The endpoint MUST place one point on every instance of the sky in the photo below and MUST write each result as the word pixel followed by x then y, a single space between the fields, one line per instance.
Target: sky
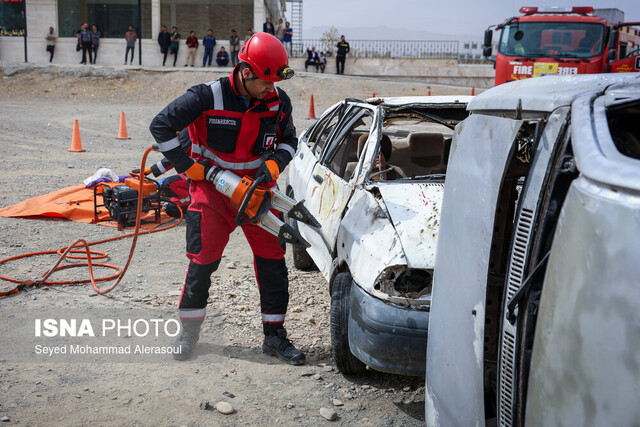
pixel 454 17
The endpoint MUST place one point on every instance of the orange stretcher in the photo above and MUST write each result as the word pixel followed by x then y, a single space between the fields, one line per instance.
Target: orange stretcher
pixel 74 203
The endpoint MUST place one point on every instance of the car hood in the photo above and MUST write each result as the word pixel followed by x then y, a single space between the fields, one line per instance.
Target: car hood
pixel 414 211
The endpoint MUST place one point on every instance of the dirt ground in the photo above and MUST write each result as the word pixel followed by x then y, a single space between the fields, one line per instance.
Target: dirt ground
pixel 39 106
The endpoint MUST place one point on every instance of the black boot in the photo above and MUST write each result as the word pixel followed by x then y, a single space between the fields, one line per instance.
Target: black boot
pixel 186 342
pixel 277 344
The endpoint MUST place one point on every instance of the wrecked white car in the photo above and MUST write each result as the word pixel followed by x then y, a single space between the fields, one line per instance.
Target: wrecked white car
pixel 372 172
pixel 535 318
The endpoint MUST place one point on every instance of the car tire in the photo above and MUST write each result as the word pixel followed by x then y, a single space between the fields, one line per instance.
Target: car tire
pixel 345 361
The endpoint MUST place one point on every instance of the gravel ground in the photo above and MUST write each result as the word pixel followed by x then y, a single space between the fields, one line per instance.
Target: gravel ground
pixel 39 106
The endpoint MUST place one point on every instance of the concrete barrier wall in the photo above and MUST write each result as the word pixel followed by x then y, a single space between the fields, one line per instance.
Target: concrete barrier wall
pixel 111 52
pixel 437 71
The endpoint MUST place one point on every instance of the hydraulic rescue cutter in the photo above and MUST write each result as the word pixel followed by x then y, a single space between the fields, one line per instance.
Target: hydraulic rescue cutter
pixel 253 201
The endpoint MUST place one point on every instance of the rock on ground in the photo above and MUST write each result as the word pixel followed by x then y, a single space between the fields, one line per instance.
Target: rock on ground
pixel 328 414
pixel 225 408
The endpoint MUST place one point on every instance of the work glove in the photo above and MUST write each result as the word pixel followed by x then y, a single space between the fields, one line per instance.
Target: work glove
pixel 268 171
pixel 196 172
pixel 200 172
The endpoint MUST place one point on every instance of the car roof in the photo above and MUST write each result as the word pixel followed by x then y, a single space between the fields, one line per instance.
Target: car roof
pixel 546 93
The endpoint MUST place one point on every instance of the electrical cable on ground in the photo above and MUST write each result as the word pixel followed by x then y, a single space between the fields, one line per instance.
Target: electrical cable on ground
pixel 89 255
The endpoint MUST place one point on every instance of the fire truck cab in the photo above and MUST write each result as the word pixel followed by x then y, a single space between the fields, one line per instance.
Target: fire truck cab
pixel 563 41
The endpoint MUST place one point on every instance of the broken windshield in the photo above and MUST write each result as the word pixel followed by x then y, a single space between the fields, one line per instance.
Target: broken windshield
pixel 552 39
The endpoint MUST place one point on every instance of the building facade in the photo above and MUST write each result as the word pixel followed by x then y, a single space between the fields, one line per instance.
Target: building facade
pixel 113 17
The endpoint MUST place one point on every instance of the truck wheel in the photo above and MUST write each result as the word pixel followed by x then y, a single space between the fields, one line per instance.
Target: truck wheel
pixel 301 258
pixel 346 362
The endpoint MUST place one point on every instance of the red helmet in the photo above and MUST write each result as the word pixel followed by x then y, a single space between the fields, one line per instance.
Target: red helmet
pixel 267 56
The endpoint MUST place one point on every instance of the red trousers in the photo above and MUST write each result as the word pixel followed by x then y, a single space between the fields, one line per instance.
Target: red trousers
pixel 210 220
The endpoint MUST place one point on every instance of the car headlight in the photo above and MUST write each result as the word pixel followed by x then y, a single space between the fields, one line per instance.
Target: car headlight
pixel 404 286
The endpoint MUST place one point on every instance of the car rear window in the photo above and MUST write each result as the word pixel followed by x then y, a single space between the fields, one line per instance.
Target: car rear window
pixel 623 121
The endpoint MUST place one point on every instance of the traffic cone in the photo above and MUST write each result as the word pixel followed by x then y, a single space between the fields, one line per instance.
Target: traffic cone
pixel 473 90
pixel 312 109
pixel 76 143
pixel 122 134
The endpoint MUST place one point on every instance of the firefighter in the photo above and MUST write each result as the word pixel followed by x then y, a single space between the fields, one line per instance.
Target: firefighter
pixel 241 123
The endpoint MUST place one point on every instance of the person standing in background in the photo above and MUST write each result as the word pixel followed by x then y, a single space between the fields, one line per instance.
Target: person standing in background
pixel 209 42
pixel 268 27
pixel 192 45
pixel 175 44
pixel 343 49
pixel 95 41
pixel 280 30
pixel 130 37
pixel 164 40
pixel 288 37
pixel 248 36
pixel 85 41
pixel 51 42
pixel 234 47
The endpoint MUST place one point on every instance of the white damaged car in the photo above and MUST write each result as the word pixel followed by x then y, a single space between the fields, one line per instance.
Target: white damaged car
pixel 372 173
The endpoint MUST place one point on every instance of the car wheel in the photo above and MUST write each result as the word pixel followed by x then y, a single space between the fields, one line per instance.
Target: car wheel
pixel 345 361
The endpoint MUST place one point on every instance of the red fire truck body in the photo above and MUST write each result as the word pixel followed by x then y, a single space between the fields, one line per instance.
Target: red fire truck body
pixel 546 41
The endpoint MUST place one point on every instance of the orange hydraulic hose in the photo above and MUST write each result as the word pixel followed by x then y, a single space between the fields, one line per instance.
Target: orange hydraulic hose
pixel 65 252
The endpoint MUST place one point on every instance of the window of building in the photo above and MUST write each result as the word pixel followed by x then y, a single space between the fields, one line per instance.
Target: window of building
pixel 199 15
pixel 112 18
pixel 12 17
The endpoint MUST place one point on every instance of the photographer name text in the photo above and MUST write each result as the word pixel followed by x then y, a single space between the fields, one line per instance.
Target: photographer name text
pixel 110 350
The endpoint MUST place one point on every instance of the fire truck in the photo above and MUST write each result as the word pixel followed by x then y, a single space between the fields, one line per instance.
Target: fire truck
pixel 564 41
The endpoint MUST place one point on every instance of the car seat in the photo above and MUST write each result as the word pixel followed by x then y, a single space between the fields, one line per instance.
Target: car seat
pixel 426 150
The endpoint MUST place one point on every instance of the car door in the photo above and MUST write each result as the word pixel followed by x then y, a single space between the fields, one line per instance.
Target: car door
pixel 309 149
pixel 331 183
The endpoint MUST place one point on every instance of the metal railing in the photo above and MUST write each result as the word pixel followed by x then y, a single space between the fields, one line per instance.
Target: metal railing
pixel 432 49
pixel 429 49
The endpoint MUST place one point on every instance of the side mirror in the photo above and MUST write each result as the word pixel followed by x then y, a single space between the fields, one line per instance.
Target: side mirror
pixel 486 51
pixel 488 36
pixel 613 45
